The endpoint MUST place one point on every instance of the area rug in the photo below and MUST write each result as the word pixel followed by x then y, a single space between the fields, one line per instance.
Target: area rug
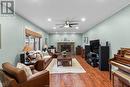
pixel 1 84
pixel 75 68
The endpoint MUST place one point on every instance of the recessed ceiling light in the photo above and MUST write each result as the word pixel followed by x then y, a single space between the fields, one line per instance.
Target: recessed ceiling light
pixel 54 27
pixel 49 19
pixel 83 19
pixel 76 27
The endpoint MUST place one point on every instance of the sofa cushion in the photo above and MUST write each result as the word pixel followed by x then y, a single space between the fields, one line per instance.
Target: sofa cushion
pixel 26 69
pixel 18 74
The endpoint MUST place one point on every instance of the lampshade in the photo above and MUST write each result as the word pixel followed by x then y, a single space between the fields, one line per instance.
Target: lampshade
pixel 45 46
pixel 27 48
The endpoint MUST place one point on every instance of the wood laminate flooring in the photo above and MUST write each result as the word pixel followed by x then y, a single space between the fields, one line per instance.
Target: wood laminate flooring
pixel 92 78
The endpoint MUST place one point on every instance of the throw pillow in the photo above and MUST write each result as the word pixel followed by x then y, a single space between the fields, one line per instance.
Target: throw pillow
pixel 53 51
pixel 39 56
pixel 25 68
pixel 32 54
pixel 47 57
pixel 45 53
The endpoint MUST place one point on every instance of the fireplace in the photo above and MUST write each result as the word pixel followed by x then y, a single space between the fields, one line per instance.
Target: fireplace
pixel 65 46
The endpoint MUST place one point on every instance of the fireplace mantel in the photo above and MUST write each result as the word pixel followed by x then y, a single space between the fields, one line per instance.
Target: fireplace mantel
pixel 65 42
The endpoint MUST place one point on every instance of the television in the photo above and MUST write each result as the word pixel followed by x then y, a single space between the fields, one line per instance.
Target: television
pixel 94 45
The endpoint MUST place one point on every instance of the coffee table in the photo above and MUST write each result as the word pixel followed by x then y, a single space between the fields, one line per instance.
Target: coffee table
pixel 64 61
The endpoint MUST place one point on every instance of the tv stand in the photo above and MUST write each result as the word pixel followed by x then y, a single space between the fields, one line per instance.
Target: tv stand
pixel 100 58
pixel 92 59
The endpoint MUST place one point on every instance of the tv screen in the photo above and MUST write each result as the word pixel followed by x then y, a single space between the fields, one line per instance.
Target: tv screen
pixel 94 44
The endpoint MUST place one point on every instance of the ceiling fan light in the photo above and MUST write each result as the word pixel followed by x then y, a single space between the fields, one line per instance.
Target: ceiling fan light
pixel 66 26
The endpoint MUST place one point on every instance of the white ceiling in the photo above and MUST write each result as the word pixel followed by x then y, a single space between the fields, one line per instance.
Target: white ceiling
pixel 95 11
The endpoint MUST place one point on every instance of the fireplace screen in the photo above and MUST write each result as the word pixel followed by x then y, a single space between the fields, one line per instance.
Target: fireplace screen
pixel 66 48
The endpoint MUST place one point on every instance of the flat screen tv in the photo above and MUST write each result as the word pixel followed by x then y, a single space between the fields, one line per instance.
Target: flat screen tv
pixel 94 44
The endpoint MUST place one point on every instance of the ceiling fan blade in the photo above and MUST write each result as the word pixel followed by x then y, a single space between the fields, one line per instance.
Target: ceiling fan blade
pixel 74 21
pixel 60 24
pixel 70 26
pixel 74 24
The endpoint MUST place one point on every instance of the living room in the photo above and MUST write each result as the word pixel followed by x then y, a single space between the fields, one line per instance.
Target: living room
pixel 64 43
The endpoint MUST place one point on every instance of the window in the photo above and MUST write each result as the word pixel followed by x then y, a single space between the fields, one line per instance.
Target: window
pixel 33 39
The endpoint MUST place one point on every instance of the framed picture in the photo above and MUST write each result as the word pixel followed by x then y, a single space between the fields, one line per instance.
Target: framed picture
pixel 46 41
pixel 86 40
pixel 65 39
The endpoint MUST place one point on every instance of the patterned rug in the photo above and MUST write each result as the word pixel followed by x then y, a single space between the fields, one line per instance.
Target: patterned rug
pixel 75 68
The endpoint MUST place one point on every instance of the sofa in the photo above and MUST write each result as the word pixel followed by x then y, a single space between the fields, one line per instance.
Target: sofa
pixel 41 59
pixel 14 77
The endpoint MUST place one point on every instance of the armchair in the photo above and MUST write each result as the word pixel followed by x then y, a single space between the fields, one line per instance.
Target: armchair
pixel 14 77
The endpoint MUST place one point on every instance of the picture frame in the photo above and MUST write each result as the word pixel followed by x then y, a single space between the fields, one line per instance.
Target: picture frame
pixel 65 39
pixel 46 41
pixel 86 40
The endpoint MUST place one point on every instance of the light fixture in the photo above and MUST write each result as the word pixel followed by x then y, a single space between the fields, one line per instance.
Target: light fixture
pixel 27 48
pixel 49 19
pixel 83 19
pixel 66 26
pixel 54 27
pixel 45 46
pixel 76 27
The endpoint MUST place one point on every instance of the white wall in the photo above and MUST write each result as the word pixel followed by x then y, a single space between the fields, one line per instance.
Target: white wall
pixel 13 37
pixel 115 29
pixel 59 37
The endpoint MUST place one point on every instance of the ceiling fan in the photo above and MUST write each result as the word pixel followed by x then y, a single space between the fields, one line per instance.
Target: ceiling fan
pixel 68 24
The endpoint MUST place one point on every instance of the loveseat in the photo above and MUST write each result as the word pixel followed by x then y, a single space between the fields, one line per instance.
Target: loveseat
pixel 43 60
pixel 42 64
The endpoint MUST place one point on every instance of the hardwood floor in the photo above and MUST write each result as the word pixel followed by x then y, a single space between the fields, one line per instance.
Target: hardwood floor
pixel 92 78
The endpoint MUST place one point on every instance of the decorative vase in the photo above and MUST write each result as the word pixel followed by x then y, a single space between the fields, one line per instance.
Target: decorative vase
pixel 64 53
